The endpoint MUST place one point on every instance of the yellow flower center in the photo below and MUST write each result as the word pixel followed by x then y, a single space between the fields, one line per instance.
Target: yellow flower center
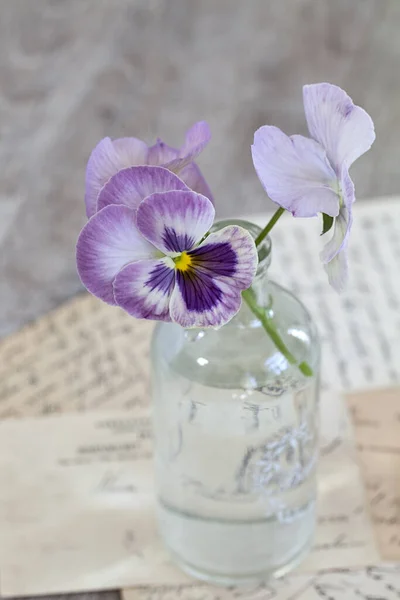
pixel 183 262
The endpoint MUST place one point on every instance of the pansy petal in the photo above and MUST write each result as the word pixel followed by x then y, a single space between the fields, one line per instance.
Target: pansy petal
pixel 131 151
pixel 212 302
pixel 295 172
pixel 229 252
pixel 337 270
pixel 108 242
pixel 130 186
pixel 334 254
pixel 175 221
pixel 197 138
pixel 108 158
pixel 341 230
pixel 193 178
pixel 160 154
pixel 144 288
pixel 343 221
pixel 345 130
pixel 208 291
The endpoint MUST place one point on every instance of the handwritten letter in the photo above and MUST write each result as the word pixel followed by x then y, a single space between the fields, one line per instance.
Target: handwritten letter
pixel 84 356
pixel 77 504
pixel 376 416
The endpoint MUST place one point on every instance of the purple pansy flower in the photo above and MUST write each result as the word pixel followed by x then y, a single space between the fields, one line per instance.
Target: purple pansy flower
pixel 145 250
pixel 110 156
pixel 309 176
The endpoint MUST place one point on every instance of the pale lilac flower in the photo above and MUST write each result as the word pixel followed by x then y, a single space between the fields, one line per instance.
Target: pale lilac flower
pixel 145 250
pixel 110 156
pixel 310 176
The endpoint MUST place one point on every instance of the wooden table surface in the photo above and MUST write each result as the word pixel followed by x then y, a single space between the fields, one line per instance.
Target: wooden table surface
pixel 73 72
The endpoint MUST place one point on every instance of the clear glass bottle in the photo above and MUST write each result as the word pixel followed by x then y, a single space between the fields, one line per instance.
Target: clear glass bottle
pixel 236 430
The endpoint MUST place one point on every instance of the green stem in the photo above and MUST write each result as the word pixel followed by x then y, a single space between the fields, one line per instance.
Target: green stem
pixel 263 234
pixel 269 326
pixel 250 298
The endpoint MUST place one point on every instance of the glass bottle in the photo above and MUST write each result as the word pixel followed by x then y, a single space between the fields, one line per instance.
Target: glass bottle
pixel 235 435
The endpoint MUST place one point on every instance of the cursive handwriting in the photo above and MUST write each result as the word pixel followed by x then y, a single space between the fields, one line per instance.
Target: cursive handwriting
pixel 115 482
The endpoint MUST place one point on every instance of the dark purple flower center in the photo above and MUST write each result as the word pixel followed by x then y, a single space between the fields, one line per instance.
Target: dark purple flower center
pixel 219 259
pixel 161 278
pixel 199 292
pixel 175 242
pixel 197 283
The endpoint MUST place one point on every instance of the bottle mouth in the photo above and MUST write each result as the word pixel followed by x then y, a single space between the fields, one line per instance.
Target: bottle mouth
pixel 264 249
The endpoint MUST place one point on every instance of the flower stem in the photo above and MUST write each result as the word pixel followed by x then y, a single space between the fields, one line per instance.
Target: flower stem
pixel 269 326
pixel 263 234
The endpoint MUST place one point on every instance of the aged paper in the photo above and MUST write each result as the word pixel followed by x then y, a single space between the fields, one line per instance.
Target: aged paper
pixel 360 328
pixel 77 504
pixel 344 535
pixel 84 356
pixel 376 416
pixel 369 583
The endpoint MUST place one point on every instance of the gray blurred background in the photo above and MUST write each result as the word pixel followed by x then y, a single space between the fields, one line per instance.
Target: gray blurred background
pixel 73 71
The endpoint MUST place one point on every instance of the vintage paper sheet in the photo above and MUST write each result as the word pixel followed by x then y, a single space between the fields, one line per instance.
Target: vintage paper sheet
pixel 376 416
pixel 84 356
pixel 344 535
pixel 376 421
pixel 77 504
pixel 360 328
pixel 370 583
